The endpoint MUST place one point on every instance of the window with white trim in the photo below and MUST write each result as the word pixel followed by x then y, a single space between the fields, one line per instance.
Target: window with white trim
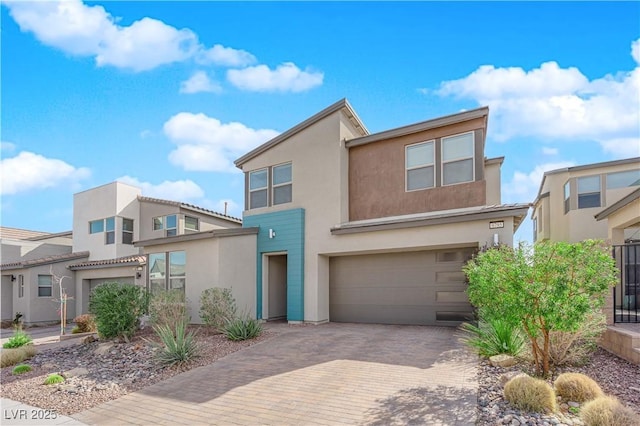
pixel 258 188
pixel 281 183
pixel 45 285
pixel 167 271
pixel 158 223
pixel 171 225
pixel 588 192
pixel 419 166
pixel 110 230
pixel 127 231
pixel 458 159
pixel 191 223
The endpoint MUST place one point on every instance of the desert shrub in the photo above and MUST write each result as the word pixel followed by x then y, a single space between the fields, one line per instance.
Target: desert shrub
pixel 574 348
pixel 85 323
pixel 577 387
pixel 217 307
pixel 117 307
pixel 242 328
pixel 19 338
pixel 607 411
pixel 16 355
pixel 53 379
pixel 492 337
pixel 529 394
pixel 21 369
pixel 177 345
pixel 168 307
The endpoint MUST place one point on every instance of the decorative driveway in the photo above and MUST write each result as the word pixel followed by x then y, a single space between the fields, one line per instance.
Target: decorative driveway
pixel 331 374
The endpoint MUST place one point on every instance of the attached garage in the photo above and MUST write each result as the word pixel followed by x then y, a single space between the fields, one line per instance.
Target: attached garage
pixel 421 287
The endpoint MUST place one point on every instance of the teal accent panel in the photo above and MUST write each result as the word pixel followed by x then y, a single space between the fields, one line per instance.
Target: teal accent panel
pixel 288 226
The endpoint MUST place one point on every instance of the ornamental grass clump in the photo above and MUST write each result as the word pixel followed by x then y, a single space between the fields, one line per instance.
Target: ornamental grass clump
pixel 607 411
pixel 217 307
pixel 529 394
pixel 21 369
pixel 85 323
pixel 492 337
pixel 177 345
pixel 577 387
pixel 19 338
pixel 53 379
pixel 16 355
pixel 242 328
pixel 168 307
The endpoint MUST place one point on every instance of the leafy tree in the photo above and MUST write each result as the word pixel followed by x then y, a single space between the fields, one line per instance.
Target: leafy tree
pixel 552 286
pixel 117 308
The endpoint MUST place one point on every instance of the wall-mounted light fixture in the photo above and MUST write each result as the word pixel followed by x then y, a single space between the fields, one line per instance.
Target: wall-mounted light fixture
pixel 496 239
pixel 139 272
pixel 13 277
pixel 272 233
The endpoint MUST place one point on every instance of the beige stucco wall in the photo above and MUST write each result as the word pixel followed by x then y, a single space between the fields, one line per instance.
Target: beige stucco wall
pixel 17 250
pixel 113 199
pixel 319 169
pixel 228 262
pixel 493 184
pixel 578 224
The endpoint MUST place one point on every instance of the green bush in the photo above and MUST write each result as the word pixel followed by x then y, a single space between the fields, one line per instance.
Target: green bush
pixel 19 338
pixel 85 323
pixel 53 379
pixel 168 307
pixel 529 394
pixel 492 337
pixel 21 369
pixel 217 307
pixel 178 345
pixel 607 411
pixel 577 387
pixel 16 355
pixel 242 328
pixel 117 307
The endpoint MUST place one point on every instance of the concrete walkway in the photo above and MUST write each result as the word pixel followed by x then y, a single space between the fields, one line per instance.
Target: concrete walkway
pixel 17 413
pixel 332 374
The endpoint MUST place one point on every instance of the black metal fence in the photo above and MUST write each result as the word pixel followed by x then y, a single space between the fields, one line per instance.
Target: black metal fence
pixel 626 294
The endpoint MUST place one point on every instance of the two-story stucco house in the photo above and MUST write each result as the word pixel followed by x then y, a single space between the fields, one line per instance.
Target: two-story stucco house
pixel 363 227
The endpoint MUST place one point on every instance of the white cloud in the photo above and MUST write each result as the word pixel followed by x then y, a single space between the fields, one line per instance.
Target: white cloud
pixel 287 77
pixel 547 150
pixel 225 56
pixel 200 82
pixel 523 186
pixel 7 146
pixel 179 190
pixel 557 103
pixel 635 51
pixel 28 171
pixel 146 133
pixel 206 144
pixel 78 29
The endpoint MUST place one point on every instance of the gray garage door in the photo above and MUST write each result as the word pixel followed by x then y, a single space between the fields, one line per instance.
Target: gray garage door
pixel 425 287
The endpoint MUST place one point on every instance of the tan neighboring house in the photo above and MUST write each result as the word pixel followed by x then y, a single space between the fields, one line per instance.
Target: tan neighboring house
pixel 29 261
pixel 373 228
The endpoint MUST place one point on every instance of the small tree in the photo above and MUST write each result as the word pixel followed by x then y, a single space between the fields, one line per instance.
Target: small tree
pixel 117 308
pixel 552 286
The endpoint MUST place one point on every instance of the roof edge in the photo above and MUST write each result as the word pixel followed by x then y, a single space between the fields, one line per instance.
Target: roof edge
pixel 215 233
pixel 628 199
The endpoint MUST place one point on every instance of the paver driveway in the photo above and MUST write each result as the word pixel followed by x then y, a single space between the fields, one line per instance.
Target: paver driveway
pixel 316 375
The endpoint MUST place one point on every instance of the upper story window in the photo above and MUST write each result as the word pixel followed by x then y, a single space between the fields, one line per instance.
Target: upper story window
pixel 623 179
pixel 588 192
pixel 457 159
pixel 567 197
pixel 419 165
pixel 281 183
pixel 191 223
pixel 127 231
pixel 96 226
pixel 169 223
pixel 535 229
pixel 258 188
pixel 110 230
pixel 45 285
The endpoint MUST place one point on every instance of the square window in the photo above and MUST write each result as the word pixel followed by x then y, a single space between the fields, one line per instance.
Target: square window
pixel 96 226
pixel 282 194
pixel 588 192
pixel 45 285
pixel 158 223
pixel 191 223
pixel 258 199
pixel 420 178
pixel 258 179
pixel 282 174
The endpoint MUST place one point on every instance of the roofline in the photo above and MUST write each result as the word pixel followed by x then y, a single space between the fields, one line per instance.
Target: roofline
pixel 191 207
pixel 538 198
pixel 495 160
pixel 44 261
pixel 215 233
pixel 46 237
pixel 519 210
pixel 421 126
pixel 628 199
pixel 586 167
pixel 337 106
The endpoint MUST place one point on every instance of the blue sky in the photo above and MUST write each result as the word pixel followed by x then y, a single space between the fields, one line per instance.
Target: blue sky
pixel 165 95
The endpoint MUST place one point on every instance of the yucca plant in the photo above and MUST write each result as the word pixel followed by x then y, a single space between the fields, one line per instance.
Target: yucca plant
pixel 242 328
pixel 492 337
pixel 178 345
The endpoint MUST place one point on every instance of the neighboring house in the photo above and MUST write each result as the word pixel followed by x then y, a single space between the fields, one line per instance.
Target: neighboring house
pixel 569 199
pixel 597 201
pixel 28 260
pixel 363 227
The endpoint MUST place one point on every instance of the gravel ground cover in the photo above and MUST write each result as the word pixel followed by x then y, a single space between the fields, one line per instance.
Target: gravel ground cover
pixel 615 376
pixel 101 371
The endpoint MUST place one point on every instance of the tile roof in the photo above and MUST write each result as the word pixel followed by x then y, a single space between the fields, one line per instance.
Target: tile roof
pixel 138 259
pixel 20 234
pixel 45 260
pixel 190 207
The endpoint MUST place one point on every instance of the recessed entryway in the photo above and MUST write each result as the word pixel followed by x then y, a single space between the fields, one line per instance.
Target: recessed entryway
pixel 275 287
